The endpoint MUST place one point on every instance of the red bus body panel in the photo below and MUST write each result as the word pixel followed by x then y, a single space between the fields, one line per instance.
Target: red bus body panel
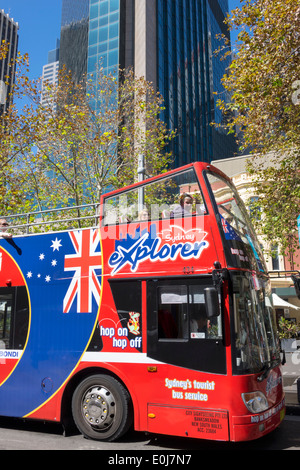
pixel 166 398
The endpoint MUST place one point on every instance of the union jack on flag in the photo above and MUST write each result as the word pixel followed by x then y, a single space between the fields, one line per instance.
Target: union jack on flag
pixel 84 262
pixel 229 231
pixel 224 224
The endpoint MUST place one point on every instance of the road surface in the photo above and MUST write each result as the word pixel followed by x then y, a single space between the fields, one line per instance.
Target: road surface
pixel 32 435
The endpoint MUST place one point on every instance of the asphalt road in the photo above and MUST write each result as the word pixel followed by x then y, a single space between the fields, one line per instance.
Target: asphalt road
pixel 16 434
pixel 32 435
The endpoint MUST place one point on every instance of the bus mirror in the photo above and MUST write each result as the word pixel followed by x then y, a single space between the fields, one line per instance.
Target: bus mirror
pixel 296 281
pixel 211 302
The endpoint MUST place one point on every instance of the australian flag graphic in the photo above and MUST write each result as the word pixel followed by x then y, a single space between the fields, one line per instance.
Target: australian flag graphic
pixel 73 256
pixel 62 273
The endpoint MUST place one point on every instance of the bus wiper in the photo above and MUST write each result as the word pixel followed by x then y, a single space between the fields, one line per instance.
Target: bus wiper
pixel 268 366
pixel 266 370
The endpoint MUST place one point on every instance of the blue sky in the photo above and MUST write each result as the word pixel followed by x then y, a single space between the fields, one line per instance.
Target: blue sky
pixel 39 27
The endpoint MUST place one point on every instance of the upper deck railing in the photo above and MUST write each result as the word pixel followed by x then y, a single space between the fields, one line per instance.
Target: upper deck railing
pixel 54 220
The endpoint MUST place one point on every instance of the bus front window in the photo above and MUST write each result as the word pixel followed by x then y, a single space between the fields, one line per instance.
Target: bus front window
pixel 241 246
pixel 255 344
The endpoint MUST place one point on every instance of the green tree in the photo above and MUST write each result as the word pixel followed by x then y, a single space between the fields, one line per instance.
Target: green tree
pixel 14 137
pixel 263 82
pixel 85 139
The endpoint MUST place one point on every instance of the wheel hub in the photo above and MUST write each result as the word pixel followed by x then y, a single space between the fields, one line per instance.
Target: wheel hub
pixel 98 407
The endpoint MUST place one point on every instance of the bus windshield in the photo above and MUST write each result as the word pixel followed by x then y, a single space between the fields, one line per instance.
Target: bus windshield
pixel 160 199
pixel 255 344
pixel 240 243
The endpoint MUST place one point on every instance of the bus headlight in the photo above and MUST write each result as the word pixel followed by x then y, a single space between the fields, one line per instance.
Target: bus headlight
pixel 255 402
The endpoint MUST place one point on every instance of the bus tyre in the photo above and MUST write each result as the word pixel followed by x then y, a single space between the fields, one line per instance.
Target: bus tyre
pixel 101 408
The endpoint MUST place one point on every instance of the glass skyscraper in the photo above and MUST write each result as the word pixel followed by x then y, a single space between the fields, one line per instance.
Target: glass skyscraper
pixel 111 35
pixel 74 37
pixel 188 74
pixel 104 35
pixel 171 44
pixel 8 34
pixel 50 76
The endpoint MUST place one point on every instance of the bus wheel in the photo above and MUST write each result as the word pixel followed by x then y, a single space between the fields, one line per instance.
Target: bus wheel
pixel 101 408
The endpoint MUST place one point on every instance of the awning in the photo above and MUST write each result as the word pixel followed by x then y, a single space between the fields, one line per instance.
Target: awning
pixel 279 302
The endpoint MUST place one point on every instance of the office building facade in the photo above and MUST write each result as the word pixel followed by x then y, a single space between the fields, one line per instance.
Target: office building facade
pixel 74 37
pixel 9 34
pixel 111 35
pixel 171 44
pixel 50 76
pixel 188 74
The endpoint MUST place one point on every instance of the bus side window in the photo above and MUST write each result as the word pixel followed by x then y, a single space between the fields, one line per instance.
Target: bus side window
pixel 6 301
pixel 14 317
pixel 178 329
pixel 181 313
pixel 172 312
pixel 21 318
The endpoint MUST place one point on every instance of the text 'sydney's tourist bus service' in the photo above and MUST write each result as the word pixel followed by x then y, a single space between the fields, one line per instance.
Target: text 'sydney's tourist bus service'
pixel 160 317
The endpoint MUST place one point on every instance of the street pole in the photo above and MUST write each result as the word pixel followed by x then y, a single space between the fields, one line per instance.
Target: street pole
pixel 141 177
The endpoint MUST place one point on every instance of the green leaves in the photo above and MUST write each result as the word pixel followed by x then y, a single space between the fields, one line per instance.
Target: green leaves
pixel 287 329
pixel 264 66
pixel 71 150
pixel 265 117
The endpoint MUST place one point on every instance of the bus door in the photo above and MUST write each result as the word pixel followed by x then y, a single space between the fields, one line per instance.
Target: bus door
pixel 179 331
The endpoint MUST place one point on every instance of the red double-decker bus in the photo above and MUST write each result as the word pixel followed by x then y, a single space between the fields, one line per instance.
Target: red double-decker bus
pixel 159 316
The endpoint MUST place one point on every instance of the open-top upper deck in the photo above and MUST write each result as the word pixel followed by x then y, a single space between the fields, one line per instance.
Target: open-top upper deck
pixel 195 205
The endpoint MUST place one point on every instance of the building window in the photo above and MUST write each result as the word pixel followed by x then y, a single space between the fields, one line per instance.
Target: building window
pixel 275 258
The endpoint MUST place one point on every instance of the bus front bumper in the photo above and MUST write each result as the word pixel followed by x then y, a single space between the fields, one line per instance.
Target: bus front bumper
pixel 250 427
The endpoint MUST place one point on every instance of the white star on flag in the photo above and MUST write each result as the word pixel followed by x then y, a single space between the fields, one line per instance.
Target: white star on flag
pixel 56 244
